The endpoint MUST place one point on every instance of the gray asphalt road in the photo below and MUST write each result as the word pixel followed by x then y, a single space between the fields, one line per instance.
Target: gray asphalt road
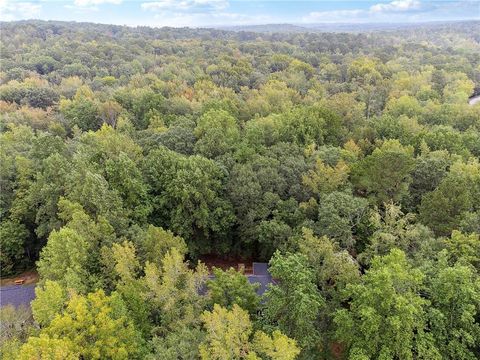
pixel 17 295
pixel 474 100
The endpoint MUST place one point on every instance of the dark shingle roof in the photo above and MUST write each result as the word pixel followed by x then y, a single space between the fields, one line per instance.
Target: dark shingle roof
pixel 260 269
pixel 260 275
pixel 263 280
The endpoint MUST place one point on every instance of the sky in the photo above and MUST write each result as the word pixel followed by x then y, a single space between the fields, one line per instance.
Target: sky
pixel 204 13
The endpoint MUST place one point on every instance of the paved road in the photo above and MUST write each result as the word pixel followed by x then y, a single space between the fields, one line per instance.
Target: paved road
pixel 23 294
pixel 17 295
pixel 474 100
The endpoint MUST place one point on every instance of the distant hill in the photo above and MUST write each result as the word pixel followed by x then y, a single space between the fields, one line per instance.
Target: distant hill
pixel 342 27
pixel 268 28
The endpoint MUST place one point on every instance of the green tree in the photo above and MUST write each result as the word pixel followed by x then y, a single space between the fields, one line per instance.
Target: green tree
pixel 385 174
pixel 82 112
pixel 123 175
pixel 174 290
pixel 326 179
pixel 188 198
pixel 116 158
pixel 179 344
pixel 64 259
pixel 366 74
pixel 443 209
pixel 232 287
pixel 217 133
pixel 41 97
pixel 155 242
pixel 293 303
pixel 97 233
pixel 49 187
pixel 404 105
pixel 13 238
pixel 126 263
pixel 143 103
pixel 394 229
pixel 125 280
pixel 455 297
pixel 43 64
pixel 49 302
pixel 98 327
pixel 305 125
pixel 228 333
pixel 334 268
pixel 385 317
pixel 72 255
pixel 276 347
pixel 430 169
pixel 340 216
pixel 93 192
pixel 48 348
pixel 464 248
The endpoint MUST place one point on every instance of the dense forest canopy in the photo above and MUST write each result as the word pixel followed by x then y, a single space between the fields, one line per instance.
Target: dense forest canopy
pixel 348 161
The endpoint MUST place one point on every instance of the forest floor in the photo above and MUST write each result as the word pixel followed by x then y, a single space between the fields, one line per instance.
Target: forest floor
pixel 29 277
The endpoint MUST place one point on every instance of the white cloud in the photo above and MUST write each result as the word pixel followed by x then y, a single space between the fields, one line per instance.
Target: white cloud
pixel 85 6
pixel 182 19
pixel 10 11
pixel 396 6
pixel 193 13
pixel 92 3
pixel 185 5
pixel 333 16
pixel 396 10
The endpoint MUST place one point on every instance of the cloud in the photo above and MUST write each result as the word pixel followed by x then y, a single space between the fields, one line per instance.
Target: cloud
pixel 185 5
pixel 10 11
pixel 396 10
pixel 396 6
pixel 93 3
pixel 333 16
pixel 183 19
pixel 85 6
pixel 193 13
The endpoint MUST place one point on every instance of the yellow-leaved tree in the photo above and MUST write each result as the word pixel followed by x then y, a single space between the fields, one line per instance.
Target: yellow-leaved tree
pixel 230 336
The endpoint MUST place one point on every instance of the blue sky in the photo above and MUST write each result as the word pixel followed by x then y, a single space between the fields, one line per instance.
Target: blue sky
pixel 196 13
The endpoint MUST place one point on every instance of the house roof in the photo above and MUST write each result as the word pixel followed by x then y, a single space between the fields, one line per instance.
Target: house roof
pixel 260 268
